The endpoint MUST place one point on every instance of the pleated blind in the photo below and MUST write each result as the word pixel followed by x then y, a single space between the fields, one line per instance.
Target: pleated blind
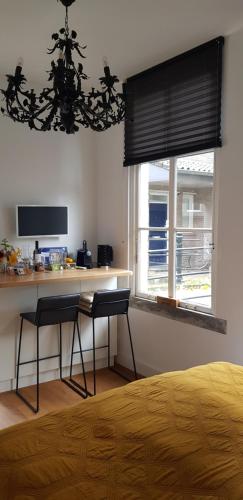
pixel 175 108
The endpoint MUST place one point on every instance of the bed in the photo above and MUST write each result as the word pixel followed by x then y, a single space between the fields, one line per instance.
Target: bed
pixel 175 436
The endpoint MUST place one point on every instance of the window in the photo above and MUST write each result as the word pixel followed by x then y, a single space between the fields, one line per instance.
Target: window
pixel 174 229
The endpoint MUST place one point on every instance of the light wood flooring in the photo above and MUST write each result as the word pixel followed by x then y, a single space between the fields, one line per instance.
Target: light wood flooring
pixel 54 395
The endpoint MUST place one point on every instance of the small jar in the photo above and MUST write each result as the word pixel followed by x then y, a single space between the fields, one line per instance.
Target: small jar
pixel 11 270
pixel 3 264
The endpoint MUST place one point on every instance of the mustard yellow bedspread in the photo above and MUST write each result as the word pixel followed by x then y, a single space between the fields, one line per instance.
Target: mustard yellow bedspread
pixel 176 436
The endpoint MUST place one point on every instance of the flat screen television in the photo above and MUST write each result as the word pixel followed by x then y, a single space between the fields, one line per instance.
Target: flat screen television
pixel 38 220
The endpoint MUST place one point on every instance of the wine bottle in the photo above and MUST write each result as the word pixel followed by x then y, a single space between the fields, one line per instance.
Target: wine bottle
pixel 35 253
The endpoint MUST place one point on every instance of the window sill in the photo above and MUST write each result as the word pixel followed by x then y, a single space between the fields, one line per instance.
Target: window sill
pixel 195 318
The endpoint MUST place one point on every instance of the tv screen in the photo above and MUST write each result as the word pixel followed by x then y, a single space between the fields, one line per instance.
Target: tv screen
pixel 36 220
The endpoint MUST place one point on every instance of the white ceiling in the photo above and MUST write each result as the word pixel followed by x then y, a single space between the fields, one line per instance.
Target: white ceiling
pixel 133 34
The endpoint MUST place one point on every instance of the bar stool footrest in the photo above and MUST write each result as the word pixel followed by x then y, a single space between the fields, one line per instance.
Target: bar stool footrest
pixel 76 387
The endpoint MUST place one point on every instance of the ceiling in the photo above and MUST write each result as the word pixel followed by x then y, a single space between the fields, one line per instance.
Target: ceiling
pixel 133 34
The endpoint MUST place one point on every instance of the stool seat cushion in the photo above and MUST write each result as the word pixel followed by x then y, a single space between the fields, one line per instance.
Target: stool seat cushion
pixel 87 297
pixel 86 300
pixel 29 316
pixel 85 306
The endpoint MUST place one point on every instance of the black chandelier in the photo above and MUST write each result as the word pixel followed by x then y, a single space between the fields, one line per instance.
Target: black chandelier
pixel 64 105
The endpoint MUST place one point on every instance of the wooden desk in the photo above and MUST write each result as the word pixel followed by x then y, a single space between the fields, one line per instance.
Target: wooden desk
pixel 21 293
pixel 68 275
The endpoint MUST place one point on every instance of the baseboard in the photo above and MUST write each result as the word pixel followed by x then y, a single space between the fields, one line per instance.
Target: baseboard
pixel 6 386
pixel 142 368
pixel 47 376
pixel 126 371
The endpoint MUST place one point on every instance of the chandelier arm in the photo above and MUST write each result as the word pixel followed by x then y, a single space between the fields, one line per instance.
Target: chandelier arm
pixel 41 121
pixel 33 126
pixel 107 114
pixel 25 94
pixel 21 106
pixel 10 109
pixel 26 116
pixel 86 116
pixel 97 122
pixel 45 92
pixel 10 113
pixel 49 119
pixel 32 115
pixel 85 112
pixel 42 109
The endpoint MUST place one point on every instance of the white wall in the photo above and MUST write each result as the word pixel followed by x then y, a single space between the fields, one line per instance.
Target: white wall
pixel 111 191
pixel 47 168
pixel 162 344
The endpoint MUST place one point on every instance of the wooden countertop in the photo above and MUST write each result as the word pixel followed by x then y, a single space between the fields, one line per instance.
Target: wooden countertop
pixel 43 278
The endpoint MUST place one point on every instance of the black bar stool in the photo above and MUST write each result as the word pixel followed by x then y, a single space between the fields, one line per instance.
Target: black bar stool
pixel 52 311
pixel 105 303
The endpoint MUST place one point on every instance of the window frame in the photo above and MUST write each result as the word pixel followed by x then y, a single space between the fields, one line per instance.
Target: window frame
pixel 134 233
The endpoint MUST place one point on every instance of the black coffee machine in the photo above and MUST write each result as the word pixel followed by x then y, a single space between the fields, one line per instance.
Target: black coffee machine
pixel 104 255
pixel 84 257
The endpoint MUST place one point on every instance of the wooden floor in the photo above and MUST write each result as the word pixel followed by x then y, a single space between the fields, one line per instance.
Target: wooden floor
pixel 53 396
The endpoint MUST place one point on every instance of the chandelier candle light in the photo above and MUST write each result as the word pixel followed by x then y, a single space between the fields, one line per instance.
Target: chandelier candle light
pixel 64 105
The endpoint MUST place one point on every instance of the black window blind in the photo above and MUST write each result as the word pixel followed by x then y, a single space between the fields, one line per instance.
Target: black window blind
pixel 175 108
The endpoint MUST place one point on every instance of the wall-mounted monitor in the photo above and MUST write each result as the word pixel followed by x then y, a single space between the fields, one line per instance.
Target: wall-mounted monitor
pixel 41 221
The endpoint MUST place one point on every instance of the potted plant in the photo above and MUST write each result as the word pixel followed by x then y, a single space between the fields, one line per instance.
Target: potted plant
pixel 6 250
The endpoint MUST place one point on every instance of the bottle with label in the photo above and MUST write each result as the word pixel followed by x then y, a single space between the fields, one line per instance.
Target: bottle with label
pixel 35 253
